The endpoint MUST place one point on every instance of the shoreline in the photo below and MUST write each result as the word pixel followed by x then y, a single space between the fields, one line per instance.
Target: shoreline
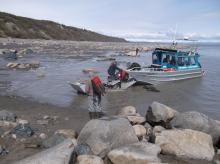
pixel 17 151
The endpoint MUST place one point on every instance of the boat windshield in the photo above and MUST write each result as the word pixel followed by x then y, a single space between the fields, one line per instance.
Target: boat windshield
pixel 165 59
pixel 175 59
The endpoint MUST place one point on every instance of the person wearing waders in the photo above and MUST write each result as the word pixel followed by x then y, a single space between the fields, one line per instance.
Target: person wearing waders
pixel 95 90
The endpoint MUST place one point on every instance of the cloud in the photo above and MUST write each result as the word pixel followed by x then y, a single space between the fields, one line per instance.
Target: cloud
pixel 169 36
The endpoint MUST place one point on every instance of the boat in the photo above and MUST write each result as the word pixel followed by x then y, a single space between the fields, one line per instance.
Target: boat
pixel 118 84
pixel 168 65
pixel 80 87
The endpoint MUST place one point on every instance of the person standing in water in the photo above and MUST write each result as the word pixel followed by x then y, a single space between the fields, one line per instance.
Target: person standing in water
pixel 95 90
pixel 137 51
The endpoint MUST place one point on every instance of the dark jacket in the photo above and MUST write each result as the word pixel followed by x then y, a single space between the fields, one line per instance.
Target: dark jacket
pixel 112 69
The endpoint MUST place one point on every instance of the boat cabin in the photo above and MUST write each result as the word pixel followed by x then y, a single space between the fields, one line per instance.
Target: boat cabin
pixel 178 60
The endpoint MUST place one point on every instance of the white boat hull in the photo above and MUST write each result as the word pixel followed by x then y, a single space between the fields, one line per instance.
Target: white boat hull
pixel 80 87
pixel 155 77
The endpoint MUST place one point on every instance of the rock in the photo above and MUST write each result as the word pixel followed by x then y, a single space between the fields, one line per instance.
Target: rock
pixel 131 53
pixel 107 133
pixel 138 153
pixel 3 151
pixel 46 117
pixel 23 130
pixel 14 136
pixel 7 116
pixel 43 136
pixel 22 66
pixel 149 133
pixel 42 122
pixel 6 133
pixel 1 131
pixel 8 124
pixel 128 111
pixel 68 133
pixel 148 128
pixel 27 65
pixel 23 122
pixel 158 129
pixel 55 118
pixel 83 149
pixel 60 154
pixel 140 130
pixel 12 65
pixel 1 148
pixel 136 119
pixel 25 51
pixel 88 70
pixel 89 159
pixel 160 114
pixel 151 88
pixel 216 162
pixel 53 141
pixel 34 64
pixel 186 143
pixel 11 55
pixel 105 59
pixel 198 121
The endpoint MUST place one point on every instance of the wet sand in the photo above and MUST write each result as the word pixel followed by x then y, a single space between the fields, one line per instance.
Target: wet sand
pixel 33 111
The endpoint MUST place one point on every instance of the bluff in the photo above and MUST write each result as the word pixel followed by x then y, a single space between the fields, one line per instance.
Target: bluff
pixel 26 28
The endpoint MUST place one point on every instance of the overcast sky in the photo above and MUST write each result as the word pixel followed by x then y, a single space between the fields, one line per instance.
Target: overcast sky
pixel 132 19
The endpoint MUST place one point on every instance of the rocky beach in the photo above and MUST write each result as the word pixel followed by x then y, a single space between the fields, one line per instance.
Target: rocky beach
pixel 42 119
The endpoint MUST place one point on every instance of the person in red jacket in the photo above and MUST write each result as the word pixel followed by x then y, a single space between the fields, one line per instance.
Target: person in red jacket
pixel 95 90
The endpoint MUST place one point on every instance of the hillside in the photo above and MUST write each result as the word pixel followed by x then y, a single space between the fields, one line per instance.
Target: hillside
pixel 27 28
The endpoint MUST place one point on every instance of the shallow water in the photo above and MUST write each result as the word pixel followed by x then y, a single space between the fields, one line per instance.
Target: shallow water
pixel 48 84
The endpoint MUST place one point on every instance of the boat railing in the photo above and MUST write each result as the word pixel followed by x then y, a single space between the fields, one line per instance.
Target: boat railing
pixel 146 68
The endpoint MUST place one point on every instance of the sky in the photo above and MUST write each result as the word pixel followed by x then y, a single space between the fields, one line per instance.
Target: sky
pixel 131 19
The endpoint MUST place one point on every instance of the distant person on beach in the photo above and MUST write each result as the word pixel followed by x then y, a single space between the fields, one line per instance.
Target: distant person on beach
pixel 137 51
pixel 95 90
pixel 112 70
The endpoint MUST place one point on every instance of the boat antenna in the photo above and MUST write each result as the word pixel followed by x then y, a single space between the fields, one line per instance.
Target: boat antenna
pixel 174 38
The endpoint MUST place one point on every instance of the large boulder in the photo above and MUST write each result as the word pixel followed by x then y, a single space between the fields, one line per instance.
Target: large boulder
pixel 89 159
pixel 160 114
pixel 53 140
pixel 7 116
pixel 186 143
pixel 107 133
pixel 198 121
pixel 138 153
pixel 60 154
